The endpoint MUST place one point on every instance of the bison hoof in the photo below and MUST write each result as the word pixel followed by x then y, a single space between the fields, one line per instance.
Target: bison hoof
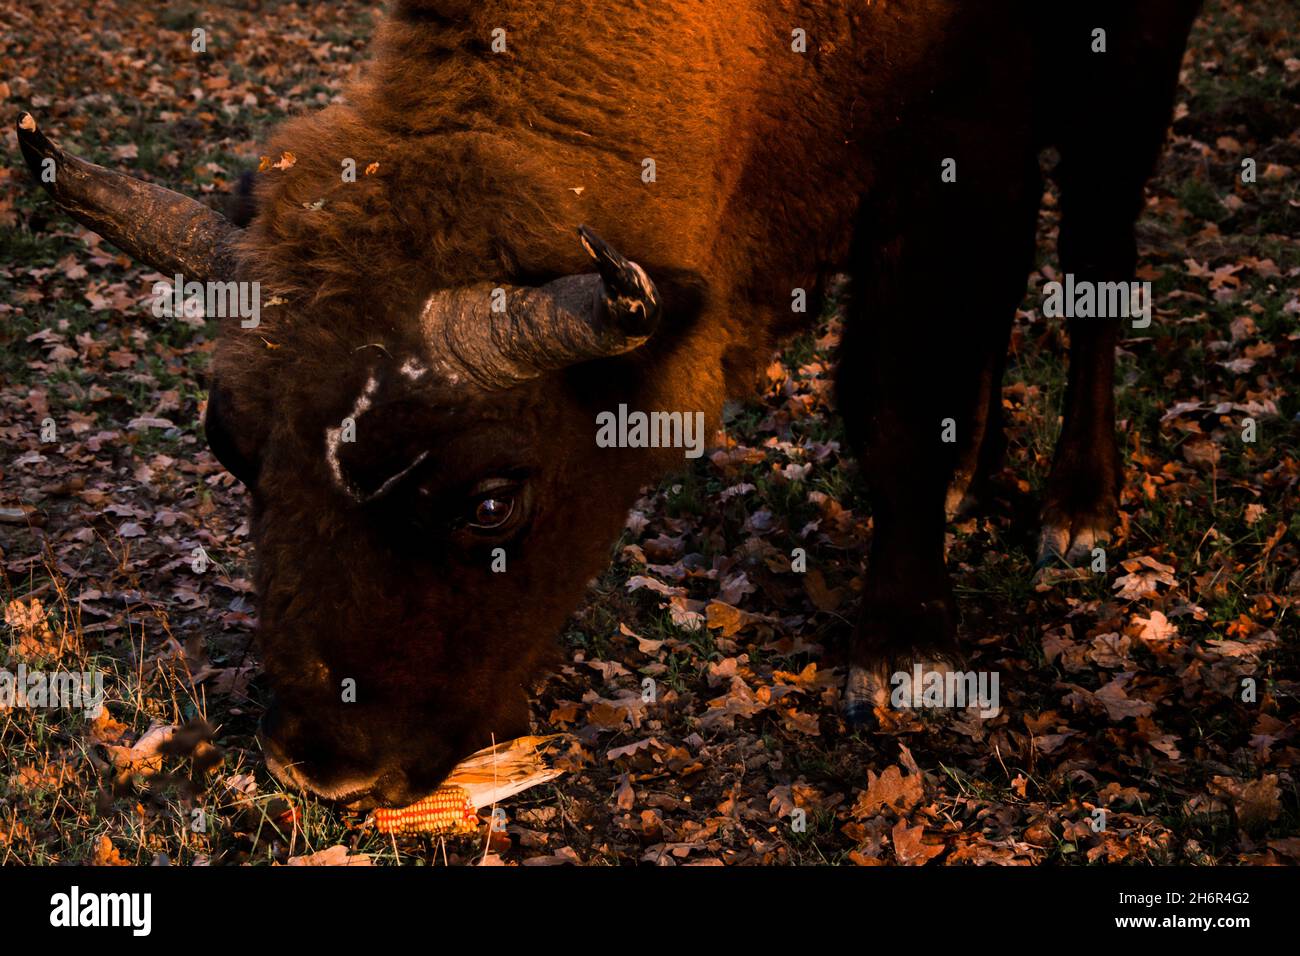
pixel 865 689
pixel 1070 543
pixel 887 686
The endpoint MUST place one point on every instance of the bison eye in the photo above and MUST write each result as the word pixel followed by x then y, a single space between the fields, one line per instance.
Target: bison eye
pixel 495 506
pixel 492 512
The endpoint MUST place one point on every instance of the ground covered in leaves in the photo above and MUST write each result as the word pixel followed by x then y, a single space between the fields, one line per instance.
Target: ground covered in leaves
pixel 1163 691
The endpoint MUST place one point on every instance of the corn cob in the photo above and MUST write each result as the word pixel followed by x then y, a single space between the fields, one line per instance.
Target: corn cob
pixel 480 780
pixel 448 811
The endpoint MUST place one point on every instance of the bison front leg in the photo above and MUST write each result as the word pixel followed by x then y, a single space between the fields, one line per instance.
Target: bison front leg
pixel 907 397
pixel 908 615
pixel 920 374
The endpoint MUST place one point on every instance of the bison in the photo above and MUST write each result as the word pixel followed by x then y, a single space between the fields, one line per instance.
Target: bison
pixel 582 207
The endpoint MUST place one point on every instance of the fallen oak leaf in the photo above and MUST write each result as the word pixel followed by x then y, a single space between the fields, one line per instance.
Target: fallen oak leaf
pixel 891 790
pixel 1256 803
pixel 565 856
pixel 338 855
pixel 1249 649
pixel 614 753
pixel 910 847
pixel 106 854
pixel 608 669
pixel 145 756
pixel 1158 739
pixel 1144 574
pixel 802 722
pixel 730 620
pixel 1118 704
pixel 611 713
pixel 105 730
pixel 1157 627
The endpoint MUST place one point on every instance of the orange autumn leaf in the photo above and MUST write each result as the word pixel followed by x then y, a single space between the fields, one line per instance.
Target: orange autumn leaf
pixel 909 847
pixel 107 855
pixel 105 730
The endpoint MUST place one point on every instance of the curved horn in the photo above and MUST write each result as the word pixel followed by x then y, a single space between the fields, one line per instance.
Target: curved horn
pixel 573 319
pixel 164 229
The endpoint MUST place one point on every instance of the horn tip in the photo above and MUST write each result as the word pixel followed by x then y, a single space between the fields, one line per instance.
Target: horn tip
pixel 590 241
pixel 35 145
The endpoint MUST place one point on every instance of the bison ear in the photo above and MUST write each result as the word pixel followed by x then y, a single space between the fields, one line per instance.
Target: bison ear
pixel 224 438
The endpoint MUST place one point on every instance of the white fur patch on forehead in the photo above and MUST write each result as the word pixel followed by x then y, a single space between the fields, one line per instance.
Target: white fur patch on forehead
pixel 412 369
pixel 334 437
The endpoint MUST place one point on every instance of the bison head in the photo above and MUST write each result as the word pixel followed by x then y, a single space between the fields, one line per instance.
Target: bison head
pixel 427 495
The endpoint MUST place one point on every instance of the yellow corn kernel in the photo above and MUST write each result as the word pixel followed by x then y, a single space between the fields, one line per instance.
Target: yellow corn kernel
pixel 448 810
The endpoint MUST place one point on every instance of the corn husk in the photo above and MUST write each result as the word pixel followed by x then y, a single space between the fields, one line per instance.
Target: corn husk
pixel 480 780
pixel 497 773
